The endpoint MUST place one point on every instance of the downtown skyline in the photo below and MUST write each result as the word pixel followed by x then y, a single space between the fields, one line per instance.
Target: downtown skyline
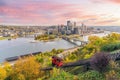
pixel 54 12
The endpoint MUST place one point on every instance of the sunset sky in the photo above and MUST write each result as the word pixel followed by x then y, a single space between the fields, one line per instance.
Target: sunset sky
pixel 54 12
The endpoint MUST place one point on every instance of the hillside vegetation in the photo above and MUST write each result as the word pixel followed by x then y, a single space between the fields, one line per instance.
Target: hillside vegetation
pixel 98 49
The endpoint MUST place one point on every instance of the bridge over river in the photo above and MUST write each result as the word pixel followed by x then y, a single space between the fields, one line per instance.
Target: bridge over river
pixel 75 41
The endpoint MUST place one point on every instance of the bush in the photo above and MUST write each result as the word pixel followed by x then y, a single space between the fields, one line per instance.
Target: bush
pixel 110 47
pixel 3 73
pixel 112 75
pixel 58 74
pixel 27 69
pixel 100 62
pixel 91 75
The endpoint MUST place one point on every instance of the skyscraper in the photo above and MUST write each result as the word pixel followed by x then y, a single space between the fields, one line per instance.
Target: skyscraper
pixel 74 24
pixel 69 25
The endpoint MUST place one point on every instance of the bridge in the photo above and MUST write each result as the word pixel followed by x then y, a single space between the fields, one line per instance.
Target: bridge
pixel 74 40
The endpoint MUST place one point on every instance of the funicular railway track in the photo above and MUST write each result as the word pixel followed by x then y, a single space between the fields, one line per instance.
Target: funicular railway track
pixel 84 62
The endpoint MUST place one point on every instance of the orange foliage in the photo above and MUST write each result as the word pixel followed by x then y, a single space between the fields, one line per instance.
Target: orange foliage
pixel 28 68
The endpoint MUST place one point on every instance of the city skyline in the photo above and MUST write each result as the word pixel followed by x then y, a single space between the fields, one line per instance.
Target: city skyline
pixel 54 12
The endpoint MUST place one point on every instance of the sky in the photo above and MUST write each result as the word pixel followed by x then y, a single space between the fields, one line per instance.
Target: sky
pixel 57 12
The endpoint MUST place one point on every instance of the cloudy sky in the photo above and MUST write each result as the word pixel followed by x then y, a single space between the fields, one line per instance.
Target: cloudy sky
pixel 54 12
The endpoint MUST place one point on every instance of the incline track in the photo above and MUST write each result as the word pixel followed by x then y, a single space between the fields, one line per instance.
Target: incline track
pixel 84 62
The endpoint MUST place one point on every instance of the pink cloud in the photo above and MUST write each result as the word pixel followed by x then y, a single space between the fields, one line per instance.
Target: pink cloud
pixel 44 6
pixel 72 14
pixel 0 20
pixel 37 12
pixel 106 1
pixel 22 15
pixel 49 13
pixel 115 1
pixel 89 16
pixel 107 21
pixel 97 1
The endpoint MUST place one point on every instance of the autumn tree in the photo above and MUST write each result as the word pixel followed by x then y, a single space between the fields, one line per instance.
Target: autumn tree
pixel 112 37
pixel 27 69
pixel 3 73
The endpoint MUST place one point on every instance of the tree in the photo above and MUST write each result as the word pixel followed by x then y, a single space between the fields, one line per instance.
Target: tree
pixel 26 68
pixel 7 67
pixel 100 61
pixel 3 73
pixel 110 46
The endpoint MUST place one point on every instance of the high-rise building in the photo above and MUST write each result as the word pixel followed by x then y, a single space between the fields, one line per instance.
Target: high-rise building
pixel 69 25
pixel 76 30
pixel 83 29
pixel 59 28
pixel 74 24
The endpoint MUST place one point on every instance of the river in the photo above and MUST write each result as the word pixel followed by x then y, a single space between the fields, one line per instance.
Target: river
pixel 109 28
pixel 20 46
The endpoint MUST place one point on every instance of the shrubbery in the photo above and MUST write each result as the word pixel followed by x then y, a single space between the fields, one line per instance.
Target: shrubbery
pixel 25 69
pixel 110 47
pixel 102 69
pixel 3 73
pixel 100 62
pixel 45 37
pixel 91 75
pixel 58 74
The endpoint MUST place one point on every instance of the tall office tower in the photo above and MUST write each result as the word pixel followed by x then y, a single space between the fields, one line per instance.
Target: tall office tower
pixel 74 24
pixel 76 30
pixel 82 26
pixel 59 28
pixel 83 29
pixel 68 23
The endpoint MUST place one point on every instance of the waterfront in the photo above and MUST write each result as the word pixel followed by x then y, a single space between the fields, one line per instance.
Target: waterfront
pixel 20 46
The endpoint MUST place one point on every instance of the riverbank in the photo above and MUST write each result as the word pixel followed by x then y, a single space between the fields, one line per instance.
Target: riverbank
pixel 4 38
pixel 50 40
pixel 105 33
pixel 8 38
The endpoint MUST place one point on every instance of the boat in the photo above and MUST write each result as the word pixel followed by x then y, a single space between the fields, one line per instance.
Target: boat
pixel 9 39
pixel 12 58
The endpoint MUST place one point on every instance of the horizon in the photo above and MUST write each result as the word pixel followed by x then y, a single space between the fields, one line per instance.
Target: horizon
pixel 53 12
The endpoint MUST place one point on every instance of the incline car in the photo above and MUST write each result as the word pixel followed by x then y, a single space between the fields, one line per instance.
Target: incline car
pixel 56 61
